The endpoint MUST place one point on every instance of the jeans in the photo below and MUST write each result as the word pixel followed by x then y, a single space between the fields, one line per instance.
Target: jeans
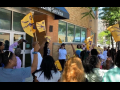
pixel 62 62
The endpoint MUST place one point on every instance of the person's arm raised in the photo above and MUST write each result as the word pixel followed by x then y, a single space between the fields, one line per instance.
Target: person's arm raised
pixel 35 59
pixel 42 45
pixel 73 49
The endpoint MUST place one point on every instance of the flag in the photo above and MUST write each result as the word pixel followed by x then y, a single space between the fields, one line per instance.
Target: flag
pixel 58 65
pixel 28 24
pixel 115 31
pixel 68 56
pixel 100 50
pixel 41 26
pixel 89 42
pixel 49 38
pixel 60 41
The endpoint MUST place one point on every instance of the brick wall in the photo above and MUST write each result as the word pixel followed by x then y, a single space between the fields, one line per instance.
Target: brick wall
pixel 49 20
pixel 75 18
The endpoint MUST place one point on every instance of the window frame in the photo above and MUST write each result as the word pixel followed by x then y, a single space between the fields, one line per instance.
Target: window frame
pixel 66 39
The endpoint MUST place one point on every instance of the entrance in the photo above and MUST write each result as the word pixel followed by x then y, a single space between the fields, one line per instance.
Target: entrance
pixel 9 37
pixel 12 31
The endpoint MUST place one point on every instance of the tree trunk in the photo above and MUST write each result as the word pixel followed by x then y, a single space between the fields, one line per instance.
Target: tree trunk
pixel 112 41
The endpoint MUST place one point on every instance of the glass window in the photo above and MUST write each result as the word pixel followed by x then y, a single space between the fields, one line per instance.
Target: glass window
pixel 62 31
pixel 83 35
pixel 5 19
pixel 17 17
pixel 27 60
pixel 92 33
pixel 29 43
pixel 70 33
pixel 77 34
pixel 5 38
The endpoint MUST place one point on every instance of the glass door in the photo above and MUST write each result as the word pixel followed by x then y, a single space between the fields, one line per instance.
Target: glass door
pixel 16 36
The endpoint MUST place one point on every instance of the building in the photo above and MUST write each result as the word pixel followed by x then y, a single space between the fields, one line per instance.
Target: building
pixel 101 25
pixel 61 22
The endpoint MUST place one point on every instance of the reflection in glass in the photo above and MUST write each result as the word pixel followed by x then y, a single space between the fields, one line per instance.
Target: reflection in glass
pixel 17 37
pixel 77 34
pixel 70 33
pixel 5 38
pixel 29 43
pixel 83 35
pixel 27 60
pixel 62 31
pixel 5 19
pixel 17 17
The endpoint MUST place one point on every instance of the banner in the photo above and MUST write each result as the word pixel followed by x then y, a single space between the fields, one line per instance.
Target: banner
pixel 27 24
pixel 115 31
pixel 100 50
pixel 58 65
pixel 60 41
pixel 49 38
pixel 89 42
pixel 41 26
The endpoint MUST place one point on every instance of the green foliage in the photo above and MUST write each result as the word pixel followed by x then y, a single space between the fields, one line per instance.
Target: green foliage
pixel 105 34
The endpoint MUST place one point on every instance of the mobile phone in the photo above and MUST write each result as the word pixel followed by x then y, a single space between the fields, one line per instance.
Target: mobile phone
pixel 25 41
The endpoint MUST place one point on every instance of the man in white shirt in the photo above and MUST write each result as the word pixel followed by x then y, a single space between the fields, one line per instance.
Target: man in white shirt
pixel 39 57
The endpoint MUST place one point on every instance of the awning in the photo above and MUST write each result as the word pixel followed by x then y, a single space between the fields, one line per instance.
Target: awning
pixel 60 12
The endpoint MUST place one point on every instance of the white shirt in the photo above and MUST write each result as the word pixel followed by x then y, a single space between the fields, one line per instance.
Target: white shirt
pixel 62 54
pixel 55 76
pixel 97 76
pixel 105 55
pixel 39 58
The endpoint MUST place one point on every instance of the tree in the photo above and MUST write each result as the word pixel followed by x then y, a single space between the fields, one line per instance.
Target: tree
pixel 111 15
pixel 105 34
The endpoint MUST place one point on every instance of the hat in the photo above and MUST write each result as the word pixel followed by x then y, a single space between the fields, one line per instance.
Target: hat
pixel 62 44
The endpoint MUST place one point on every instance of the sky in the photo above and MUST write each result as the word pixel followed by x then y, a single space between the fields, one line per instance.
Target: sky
pixel 100 10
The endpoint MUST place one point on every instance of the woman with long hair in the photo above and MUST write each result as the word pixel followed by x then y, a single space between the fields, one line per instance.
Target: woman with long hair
pixel 46 49
pixel 47 71
pixel 92 69
pixel 73 71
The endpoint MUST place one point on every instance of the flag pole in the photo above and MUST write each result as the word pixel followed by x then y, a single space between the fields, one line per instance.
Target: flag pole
pixel 36 36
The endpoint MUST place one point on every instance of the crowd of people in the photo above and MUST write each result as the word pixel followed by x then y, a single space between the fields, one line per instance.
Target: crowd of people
pixel 86 66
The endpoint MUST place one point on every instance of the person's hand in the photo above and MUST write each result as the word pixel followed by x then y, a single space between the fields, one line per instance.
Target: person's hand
pixel 20 41
pixel 36 47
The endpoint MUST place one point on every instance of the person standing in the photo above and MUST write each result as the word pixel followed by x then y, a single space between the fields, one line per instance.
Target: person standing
pixel 46 49
pixel 48 72
pixel 39 57
pixel 105 53
pixel 62 55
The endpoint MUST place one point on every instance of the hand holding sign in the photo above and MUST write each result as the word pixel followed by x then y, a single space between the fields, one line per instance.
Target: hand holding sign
pixel 48 38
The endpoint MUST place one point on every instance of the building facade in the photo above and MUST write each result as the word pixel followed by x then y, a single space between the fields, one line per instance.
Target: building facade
pixel 61 22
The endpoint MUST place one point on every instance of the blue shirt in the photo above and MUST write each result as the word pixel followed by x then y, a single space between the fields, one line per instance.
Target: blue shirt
pixel 78 52
pixel 14 75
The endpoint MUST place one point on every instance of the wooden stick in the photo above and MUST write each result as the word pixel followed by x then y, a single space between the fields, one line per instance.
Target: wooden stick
pixel 35 36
